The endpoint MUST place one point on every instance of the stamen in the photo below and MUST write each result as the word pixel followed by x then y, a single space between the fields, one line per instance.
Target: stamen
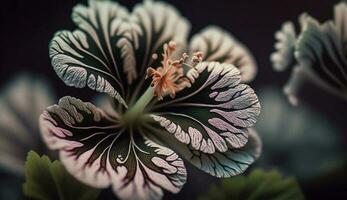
pixel 197 57
pixel 169 78
pixel 172 45
pixel 154 56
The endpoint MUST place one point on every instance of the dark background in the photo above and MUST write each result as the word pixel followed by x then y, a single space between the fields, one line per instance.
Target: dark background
pixel 28 25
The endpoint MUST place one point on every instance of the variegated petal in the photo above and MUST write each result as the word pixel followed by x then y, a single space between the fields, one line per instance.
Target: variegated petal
pixel 218 45
pixel 98 54
pixel 99 152
pixel 142 170
pixel 154 23
pixel 214 114
pixel 220 164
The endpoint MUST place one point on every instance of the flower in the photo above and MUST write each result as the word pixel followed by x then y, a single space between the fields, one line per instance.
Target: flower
pixel 21 102
pixel 317 54
pixel 170 100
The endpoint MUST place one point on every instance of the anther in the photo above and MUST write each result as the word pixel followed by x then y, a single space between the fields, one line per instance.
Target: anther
pixel 197 57
pixel 154 56
pixel 176 63
pixel 169 78
pixel 172 45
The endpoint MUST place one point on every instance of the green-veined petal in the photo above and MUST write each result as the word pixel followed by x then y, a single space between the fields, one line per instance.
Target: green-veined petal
pixel 214 114
pixel 220 164
pixel 98 54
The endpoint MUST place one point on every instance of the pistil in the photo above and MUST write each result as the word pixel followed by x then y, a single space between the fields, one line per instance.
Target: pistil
pixel 137 110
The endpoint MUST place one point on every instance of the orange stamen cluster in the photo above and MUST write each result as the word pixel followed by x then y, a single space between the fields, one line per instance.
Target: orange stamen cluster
pixel 169 78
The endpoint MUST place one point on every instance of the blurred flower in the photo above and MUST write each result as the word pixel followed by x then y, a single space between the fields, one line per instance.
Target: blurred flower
pixel 317 54
pixel 21 103
pixel 297 141
pixel 170 95
pixel 285 46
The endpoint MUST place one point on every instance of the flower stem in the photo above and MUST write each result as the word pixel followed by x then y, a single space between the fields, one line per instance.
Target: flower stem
pixel 137 110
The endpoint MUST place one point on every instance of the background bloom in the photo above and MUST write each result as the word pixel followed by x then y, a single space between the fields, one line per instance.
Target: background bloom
pixel 22 100
pixel 21 103
pixel 317 54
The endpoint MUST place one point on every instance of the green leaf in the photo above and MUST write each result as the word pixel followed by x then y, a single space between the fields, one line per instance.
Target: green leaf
pixel 49 180
pixel 258 185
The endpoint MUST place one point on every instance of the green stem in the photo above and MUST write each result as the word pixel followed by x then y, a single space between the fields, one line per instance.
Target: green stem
pixel 137 110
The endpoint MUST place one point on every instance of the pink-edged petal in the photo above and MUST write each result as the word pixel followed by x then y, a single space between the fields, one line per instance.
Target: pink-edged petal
pixel 95 149
pixel 143 169
pixel 219 164
pixel 214 114
pixel 218 45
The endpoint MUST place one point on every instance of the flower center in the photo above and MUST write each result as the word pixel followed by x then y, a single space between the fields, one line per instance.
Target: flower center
pixel 169 78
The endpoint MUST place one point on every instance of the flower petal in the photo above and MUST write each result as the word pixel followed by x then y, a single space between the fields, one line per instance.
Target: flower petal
pixel 299 76
pixel 341 21
pixel 154 24
pixel 230 163
pixel 283 57
pixel 21 103
pixel 214 114
pixel 320 52
pixel 220 164
pixel 218 45
pixel 99 53
pixel 148 167
pixel 97 151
